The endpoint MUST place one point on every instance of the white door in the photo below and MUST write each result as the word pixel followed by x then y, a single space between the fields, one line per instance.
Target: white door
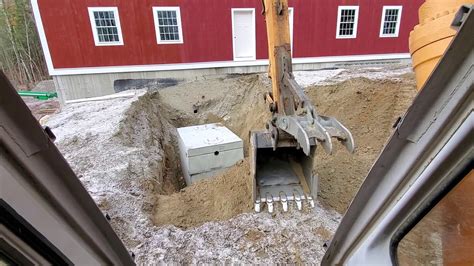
pixel 243 31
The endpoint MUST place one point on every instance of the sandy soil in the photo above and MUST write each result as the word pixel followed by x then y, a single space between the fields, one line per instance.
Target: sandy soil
pixel 42 108
pixel 220 198
pixel 124 152
pixel 250 238
pixel 369 108
pixel 234 100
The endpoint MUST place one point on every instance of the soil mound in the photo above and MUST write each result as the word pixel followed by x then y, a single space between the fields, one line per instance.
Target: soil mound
pixel 369 108
pixel 220 198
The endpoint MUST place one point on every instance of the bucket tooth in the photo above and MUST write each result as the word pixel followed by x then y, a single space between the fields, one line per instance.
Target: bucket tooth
pixel 257 205
pixel 298 200
pixel 310 200
pixel 269 200
pixel 284 201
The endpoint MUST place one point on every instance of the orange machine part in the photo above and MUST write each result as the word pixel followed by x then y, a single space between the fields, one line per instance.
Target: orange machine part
pixel 430 38
pixel 432 7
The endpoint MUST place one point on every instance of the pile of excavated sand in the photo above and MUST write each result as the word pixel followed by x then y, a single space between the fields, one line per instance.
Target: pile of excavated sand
pixel 220 198
pixel 124 152
pixel 369 108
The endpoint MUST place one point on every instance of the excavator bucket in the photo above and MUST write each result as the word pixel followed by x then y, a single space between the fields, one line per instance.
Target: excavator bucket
pixel 281 176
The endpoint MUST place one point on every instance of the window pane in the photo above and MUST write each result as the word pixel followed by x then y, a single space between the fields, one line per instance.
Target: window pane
pixel 347 22
pixel 445 236
pixel 168 25
pixel 106 26
pixel 390 21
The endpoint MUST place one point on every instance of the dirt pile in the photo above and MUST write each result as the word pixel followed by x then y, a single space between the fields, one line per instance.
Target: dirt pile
pixel 369 108
pixel 220 198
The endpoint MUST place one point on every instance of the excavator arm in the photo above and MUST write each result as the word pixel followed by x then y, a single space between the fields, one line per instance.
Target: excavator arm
pixel 284 173
pixel 287 96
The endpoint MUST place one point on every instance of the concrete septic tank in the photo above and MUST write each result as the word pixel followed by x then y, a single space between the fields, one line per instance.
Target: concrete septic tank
pixel 207 149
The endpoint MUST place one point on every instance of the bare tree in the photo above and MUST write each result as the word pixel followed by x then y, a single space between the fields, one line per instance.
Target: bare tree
pixel 21 58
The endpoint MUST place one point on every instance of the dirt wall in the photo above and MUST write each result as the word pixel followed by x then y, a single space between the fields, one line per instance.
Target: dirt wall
pixel 369 108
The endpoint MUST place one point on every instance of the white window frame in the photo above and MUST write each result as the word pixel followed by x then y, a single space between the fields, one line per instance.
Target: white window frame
pixel 399 19
pixel 356 22
pixel 157 26
pixel 94 27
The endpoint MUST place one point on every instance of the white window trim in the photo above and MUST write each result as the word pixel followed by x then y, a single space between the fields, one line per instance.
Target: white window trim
pixel 399 19
pixel 157 28
pixel 356 22
pixel 254 57
pixel 94 29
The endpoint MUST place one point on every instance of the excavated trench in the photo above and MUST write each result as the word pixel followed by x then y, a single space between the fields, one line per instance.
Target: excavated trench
pixel 151 121
pixel 367 107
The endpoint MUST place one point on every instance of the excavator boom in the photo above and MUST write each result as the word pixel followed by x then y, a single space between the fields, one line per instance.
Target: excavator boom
pixel 283 155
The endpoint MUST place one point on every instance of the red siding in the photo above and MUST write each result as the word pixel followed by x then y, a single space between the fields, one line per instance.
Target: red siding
pixel 207 31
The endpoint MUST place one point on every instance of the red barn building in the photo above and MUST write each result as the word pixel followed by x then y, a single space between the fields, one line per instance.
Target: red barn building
pixel 89 44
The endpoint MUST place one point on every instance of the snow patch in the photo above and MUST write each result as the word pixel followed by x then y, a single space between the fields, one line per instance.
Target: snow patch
pixel 334 76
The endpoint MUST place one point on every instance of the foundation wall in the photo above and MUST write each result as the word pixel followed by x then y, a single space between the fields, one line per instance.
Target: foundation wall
pixel 78 86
